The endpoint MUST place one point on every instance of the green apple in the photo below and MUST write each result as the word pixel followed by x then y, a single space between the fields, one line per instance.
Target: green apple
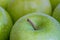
pixel 4 3
pixel 56 13
pixel 36 26
pixel 19 8
pixel 5 24
pixel 54 3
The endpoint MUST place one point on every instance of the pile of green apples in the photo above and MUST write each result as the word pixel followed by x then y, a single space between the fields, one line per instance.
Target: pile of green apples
pixel 29 19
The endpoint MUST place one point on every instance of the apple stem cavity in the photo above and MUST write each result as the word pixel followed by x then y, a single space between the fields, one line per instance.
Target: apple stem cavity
pixel 33 25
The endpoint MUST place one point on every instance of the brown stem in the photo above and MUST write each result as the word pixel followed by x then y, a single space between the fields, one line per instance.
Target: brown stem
pixel 33 25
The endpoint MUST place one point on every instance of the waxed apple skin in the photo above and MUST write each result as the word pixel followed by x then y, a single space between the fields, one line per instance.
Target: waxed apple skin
pixel 56 13
pixel 19 8
pixel 49 28
pixel 5 24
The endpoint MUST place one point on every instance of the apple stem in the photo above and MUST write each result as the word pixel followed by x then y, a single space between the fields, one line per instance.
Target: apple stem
pixel 33 25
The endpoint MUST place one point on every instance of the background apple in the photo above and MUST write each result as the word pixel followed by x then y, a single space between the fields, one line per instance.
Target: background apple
pixel 4 3
pixel 18 8
pixel 54 3
pixel 36 26
pixel 56 13
pixel 5 24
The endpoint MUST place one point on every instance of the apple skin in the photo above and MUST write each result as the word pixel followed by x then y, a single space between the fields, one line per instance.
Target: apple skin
pixel 47 28
pixel 19 8
pixel 5 24
pixel 54 3
pixel 56 13
pixel 4 3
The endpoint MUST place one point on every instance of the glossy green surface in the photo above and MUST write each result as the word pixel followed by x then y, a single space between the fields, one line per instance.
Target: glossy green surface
pixel 48 28
pixel 19 8
pixel 5 24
